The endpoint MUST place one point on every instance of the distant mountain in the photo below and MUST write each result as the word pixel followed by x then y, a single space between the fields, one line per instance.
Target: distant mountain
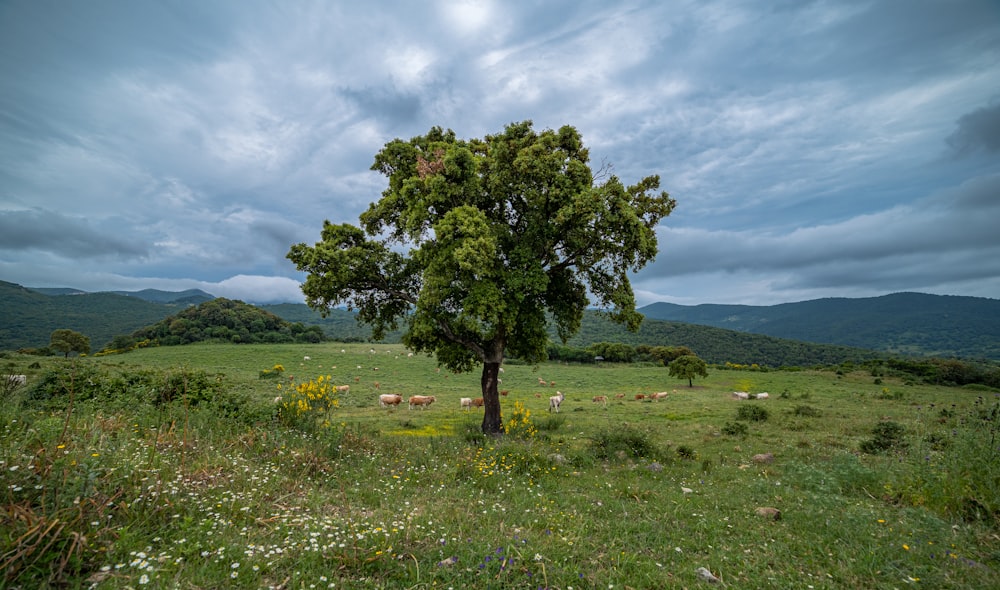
pixel 901 323
pixel 821 331
pixel 29 316
pixel 188 297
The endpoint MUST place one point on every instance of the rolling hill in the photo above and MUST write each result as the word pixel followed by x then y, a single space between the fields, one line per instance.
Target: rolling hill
pixel 900 323
pixel 810 332
pixel 28 316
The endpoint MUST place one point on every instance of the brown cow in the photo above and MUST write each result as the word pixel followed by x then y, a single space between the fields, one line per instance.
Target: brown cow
pixel 421 401
pixel 389 399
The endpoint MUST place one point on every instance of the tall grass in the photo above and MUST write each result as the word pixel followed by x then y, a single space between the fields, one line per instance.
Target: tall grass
pixel 179 468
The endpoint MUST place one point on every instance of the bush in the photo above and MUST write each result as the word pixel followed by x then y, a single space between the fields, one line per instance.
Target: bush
pixel 752 413
pixel 886 436
pixel 735 429
pixel 608 444
pixel 685 453
pixel 807 411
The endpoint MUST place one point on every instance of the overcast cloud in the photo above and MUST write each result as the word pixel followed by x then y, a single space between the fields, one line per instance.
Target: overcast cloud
pixel 816 149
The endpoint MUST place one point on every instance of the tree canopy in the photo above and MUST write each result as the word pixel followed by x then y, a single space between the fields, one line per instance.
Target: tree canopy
pixel 687 367
pixel 476 245
pixel 67 341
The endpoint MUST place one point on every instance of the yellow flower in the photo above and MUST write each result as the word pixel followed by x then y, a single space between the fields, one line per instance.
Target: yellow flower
pixel 905 546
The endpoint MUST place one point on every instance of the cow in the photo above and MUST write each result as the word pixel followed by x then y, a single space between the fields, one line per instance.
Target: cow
pixel 601 399
pixel 421 401
pixel 556 400
pixel 389 399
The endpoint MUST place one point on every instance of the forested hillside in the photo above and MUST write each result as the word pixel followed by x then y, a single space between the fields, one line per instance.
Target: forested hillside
pixel 838 329
pixel 902 323
pixel 228 321
pixel 28 318
pixel 339 324
pixel 716 345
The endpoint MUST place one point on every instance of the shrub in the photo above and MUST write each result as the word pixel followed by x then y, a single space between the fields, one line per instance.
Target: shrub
pixel 686 453
pixel 735 429
pixel 302 406
pixel 752 413
pixel 807 411
pixel 886 436
pixel 272 373
pixel 608 444
pixel 520 424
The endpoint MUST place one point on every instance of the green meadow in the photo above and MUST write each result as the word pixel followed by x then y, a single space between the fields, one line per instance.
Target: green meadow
pixel 212 466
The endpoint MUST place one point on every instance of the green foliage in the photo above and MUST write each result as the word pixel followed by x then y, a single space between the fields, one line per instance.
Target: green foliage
pixel 807 411
pixel 687 367
pixel 173 495
pixel 273 373
pixel 307 406
pixel 506 234
pixel 752 413
pixel 67 341
pixel 886 436
pixel 228 321
pixel 618 443
pixel 735 429
pixel 899 324
pixel 30 317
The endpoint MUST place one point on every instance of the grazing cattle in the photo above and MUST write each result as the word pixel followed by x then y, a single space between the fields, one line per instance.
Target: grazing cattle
pixel 465 403
pixel 601 399
pixel 556 400
pixel 389 399
pixel 763 395
pixel 421 401
pixel 305 358
pixel 542 382
pixel 619 396
pixel 658 395
pixel 343 388
pixel 477 402
pixel 741 395
pixel 504 392
pixel 640 396
pixel 763 458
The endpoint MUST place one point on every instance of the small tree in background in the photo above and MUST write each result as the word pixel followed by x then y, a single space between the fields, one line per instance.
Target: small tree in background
pixel 687 367
pixel 67 341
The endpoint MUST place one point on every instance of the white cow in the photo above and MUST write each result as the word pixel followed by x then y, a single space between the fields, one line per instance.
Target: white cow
pixel 556 400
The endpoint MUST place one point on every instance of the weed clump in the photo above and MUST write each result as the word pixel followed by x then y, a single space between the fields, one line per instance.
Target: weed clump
pixel 752 413
pixel 609 444
pixel 886 436
pixel 735 429
pixel 807 411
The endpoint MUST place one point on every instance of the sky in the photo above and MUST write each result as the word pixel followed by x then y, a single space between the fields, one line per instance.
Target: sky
pixel 815 148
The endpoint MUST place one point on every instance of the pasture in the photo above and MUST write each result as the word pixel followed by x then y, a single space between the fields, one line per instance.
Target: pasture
pixel 115 478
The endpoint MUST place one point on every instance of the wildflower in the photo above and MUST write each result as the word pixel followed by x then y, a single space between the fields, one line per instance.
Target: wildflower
pixel 905 546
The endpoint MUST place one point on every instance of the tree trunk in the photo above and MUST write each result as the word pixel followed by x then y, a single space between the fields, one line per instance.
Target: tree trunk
pixel 492 420
pixel 690 382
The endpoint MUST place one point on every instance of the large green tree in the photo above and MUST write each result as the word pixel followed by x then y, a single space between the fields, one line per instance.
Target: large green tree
pixel 476 244
pixel 67 341
pixel 687 367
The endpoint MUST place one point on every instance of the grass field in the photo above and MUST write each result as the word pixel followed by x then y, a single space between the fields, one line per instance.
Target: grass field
pixel 176 467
